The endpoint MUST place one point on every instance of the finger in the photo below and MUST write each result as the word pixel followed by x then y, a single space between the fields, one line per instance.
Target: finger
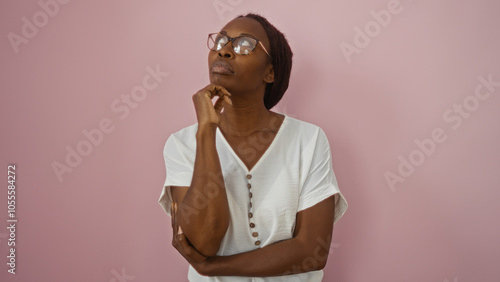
pixel 209 94
pixel 219 105
pixel 228 100
pixel 184 247
pixel 174 221
pixel 172 214
pixel 216 90
pixel 181 244
pixel 222 89
pixel 181 238
pixel 188 251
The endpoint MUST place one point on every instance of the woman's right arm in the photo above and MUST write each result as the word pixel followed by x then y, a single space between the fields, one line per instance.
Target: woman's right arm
pixel 203 211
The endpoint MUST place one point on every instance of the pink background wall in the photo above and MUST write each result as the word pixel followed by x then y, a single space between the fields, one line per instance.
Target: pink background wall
pixel 425 212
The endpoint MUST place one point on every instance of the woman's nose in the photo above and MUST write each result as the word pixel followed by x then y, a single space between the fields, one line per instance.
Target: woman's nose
pixel 226 51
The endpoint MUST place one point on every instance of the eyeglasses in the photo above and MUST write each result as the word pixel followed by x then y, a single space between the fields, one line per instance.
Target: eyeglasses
pixel 242 45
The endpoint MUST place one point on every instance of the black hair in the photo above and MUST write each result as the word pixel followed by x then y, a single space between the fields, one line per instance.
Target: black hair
pixel 281 59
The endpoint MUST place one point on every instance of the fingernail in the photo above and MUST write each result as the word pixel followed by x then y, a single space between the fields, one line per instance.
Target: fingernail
pixel 179 231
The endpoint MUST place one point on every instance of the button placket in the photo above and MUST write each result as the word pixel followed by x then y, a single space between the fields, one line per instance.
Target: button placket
pixel 254 233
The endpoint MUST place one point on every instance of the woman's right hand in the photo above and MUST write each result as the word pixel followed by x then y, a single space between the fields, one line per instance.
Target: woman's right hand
pixel 207 113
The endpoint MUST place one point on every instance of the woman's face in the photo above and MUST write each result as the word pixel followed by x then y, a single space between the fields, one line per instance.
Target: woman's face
pixel 248 73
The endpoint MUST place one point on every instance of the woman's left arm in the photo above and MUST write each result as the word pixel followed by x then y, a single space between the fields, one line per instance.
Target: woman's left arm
pixel 306 251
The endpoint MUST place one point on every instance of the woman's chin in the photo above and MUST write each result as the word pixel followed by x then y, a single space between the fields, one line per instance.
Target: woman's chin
pixel 220 80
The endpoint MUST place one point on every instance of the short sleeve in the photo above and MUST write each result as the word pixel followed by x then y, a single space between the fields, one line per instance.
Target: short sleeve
pixel 179 163
pixel 320 182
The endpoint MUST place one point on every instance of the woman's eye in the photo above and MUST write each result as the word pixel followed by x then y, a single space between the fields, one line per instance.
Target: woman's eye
pixel 245 42
pixel 245 45
pixel 220 42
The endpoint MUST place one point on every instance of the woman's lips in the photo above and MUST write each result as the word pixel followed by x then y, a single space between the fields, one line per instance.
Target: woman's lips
pixel 222 67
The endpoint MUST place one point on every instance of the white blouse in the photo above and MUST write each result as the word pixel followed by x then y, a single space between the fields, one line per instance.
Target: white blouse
pixel 293 174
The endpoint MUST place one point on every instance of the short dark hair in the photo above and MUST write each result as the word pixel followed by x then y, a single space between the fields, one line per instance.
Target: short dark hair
pixel 281 59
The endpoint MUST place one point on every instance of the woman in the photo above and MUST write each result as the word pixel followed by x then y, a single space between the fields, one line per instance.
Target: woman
pixel 251 192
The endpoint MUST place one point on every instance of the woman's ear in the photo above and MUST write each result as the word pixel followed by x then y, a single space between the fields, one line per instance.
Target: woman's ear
pixel 269 78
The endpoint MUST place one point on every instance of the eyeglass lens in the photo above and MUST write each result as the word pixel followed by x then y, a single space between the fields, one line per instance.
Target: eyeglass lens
pixel 241 45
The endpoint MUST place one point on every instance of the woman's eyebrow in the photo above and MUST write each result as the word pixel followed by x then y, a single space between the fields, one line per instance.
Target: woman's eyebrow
pixel 241 34
pixel 247 34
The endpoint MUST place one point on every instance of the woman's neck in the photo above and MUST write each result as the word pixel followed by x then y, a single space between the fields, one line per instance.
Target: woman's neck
pixel 243 119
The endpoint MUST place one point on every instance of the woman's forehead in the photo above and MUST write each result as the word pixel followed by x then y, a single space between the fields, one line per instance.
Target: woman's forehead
pixel 245 26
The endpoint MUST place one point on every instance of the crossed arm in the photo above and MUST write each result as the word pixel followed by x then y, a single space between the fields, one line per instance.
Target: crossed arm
pixel 306 251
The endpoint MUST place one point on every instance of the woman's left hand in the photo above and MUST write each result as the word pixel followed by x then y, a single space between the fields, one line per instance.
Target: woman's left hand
pixel 184 247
